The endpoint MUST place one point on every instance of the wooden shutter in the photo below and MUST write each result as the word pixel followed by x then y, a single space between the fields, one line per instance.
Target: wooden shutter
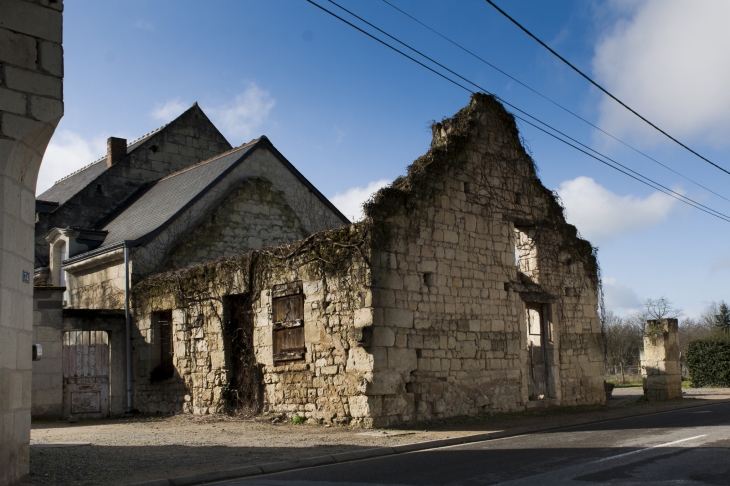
pixel 288 316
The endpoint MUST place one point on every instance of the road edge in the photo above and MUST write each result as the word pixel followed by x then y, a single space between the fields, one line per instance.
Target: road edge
pixel 274 467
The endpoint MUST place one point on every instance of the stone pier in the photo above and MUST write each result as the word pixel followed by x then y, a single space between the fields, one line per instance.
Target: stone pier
pixel 660 369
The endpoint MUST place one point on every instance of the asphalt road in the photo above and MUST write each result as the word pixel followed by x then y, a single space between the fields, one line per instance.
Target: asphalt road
pixel 685 447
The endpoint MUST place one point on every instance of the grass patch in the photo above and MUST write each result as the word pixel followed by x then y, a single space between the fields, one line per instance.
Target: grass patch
pixel 298 419
pixel 628 383
pixel 686 384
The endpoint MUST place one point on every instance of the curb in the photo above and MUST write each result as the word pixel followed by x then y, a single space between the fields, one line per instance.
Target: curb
pixel 274 467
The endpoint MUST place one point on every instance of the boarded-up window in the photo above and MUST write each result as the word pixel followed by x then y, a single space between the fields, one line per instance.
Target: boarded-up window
pixel 288 315
pixel 164 322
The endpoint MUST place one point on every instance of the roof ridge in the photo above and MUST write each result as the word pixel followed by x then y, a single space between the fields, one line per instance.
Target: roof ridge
pixel 215 157
pixel 78 170
pixel 147 135
pixel 104 157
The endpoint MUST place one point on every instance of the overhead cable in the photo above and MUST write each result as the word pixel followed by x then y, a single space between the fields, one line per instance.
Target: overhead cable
pixel 646 181
pixel 664 188
pixel 490 2
pixel 552 101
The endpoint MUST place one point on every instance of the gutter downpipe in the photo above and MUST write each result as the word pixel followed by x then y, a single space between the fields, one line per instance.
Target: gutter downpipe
pixel 128 322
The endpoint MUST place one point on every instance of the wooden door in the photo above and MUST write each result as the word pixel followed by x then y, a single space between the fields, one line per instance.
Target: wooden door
pixel 288 317
pixel 537 370
pixel 85 374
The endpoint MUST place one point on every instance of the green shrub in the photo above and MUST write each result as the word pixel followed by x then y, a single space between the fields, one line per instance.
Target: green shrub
pixel 298 419
pixel 708 361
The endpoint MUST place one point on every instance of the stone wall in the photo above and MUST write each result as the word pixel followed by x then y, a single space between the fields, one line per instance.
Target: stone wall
pixel 660 367
pixel 187 140
pixel 96 283
pixel 449 299
pixel 47 394
pixel 254 215
pixel 421 311
pixel 263 164
pixel 31 105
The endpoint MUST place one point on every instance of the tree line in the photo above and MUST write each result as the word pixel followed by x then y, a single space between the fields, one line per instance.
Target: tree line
pixel 625 335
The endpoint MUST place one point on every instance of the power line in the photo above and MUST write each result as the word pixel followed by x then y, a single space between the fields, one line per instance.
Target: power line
pixel 649 182
pixel 663 188
pixel 490 2
pixel 552 101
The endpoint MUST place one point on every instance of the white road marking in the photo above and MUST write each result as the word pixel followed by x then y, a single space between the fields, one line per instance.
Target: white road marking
pixel 647 449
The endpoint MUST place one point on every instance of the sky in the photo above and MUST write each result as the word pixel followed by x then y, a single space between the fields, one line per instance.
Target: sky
pixel 351 114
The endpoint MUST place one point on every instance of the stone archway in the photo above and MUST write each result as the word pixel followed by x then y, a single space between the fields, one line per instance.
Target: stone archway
pixel 31 105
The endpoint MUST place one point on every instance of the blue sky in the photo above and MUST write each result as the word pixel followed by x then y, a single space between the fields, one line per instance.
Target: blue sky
pixel 351 114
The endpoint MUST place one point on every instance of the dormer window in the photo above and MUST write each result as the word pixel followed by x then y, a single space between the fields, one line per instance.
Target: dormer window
pixel 59 254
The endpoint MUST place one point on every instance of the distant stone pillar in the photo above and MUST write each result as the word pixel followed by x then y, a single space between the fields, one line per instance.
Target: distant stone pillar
pixel 660 368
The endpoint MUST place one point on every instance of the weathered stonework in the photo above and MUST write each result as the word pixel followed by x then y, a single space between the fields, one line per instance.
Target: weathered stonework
pixel 660 368
pixel 253 215
pixel 245 198
pixel 31 105
pixel 47 394
pixel 421 311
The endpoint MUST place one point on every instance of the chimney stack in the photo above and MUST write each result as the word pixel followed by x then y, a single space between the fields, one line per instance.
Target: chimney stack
pixel 116 148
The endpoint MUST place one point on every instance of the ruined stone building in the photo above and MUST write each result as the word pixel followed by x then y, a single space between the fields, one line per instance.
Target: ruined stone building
pixel 178 196
pixel 462 291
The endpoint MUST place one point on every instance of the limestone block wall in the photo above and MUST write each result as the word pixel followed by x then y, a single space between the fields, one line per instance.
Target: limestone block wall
pixel 31 105
pixel 253 216
pixel 427 316
pixel 660 367
pixel 97 283
pixel 187 140
pixel 311 211
pixel 198 358
pixel 47 391
pixel 319 387
pixel 449 299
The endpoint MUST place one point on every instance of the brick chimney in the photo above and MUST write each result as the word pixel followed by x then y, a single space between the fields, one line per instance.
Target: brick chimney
pixel 116 148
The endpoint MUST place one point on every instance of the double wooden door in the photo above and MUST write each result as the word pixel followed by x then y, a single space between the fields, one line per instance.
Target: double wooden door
pixel 86 374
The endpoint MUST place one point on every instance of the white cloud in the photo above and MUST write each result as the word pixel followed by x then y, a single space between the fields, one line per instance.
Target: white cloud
pixel 668 60
pixel 245 114
pixel 169 110
pixel 599 213
pixel 350 202
pixel 620 298
pixel 66 153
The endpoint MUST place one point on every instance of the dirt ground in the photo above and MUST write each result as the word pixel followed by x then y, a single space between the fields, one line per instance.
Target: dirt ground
pixel 122 451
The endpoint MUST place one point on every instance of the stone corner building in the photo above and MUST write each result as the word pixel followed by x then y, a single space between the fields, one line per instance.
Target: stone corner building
pixel 463 290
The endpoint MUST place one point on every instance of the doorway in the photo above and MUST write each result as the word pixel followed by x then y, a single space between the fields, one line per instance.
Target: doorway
pixel 85 362
pixel 244 392
pixel 539 337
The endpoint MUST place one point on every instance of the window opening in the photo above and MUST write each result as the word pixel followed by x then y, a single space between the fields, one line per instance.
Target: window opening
pixel 288 315
pixel 526 252
pixel 165 368
pixel 164 320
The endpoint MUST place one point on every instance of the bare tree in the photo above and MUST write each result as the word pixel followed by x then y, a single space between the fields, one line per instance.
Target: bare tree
pixel 624 337
pixel 661 308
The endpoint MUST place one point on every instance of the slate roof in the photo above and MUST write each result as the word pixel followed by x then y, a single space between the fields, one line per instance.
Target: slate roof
pixel 64 189
pixel 160 202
